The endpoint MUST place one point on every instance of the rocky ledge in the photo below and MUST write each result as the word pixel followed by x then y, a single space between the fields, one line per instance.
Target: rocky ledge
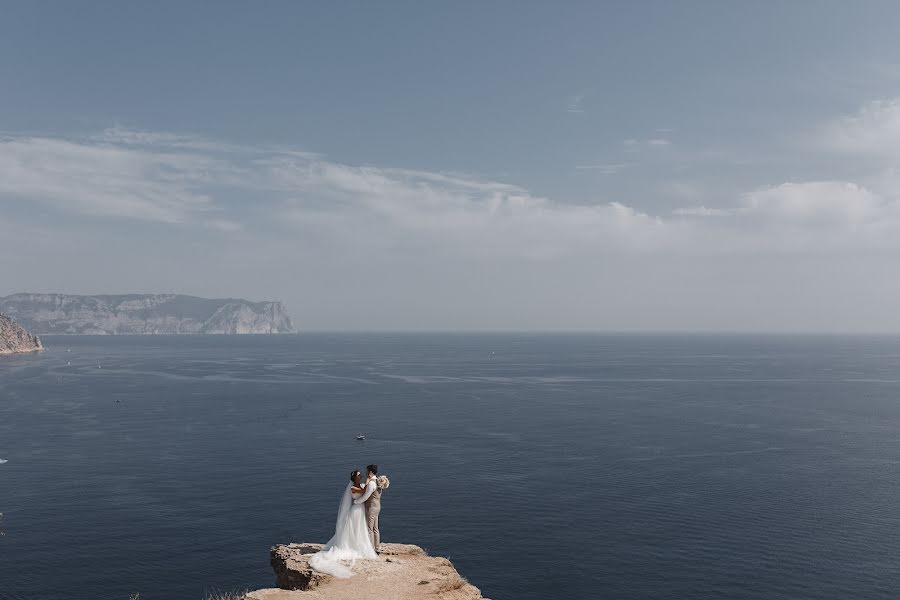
pixel 14 339
pixel 401 572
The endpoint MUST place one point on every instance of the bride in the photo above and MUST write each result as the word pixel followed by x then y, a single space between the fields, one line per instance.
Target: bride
pixel 351 535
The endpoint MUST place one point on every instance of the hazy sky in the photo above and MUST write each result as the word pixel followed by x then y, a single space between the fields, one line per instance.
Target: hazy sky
pixel 461 165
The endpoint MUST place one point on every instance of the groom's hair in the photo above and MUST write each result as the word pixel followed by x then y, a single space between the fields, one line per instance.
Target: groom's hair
pixel 372 469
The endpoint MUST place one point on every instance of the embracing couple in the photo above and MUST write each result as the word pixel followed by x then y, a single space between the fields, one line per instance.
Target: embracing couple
pixel 356 531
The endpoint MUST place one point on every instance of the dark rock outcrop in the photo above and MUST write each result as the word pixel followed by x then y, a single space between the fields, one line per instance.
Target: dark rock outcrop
pixel 144 314
pixel 291 565
pixel 14 339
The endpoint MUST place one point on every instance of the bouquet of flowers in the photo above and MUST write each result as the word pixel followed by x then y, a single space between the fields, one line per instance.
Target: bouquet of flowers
pixel 382 482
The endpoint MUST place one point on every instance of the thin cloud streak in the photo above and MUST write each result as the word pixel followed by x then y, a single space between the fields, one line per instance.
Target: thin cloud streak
pixel 605 168
pixel 576 104
pixel 873 131
pixel 189 181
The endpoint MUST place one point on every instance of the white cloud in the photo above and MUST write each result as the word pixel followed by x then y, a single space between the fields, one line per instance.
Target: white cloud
pixel 185 180
pixel 829 203
pixel 170 178
pixel 391 205
pixel 604 168
pixel 874 129
pixel 376 246
pixel 636 145
pixel 806 217
pixel 103 180
pixel 223 225
pixel 701 211
pixel 575 104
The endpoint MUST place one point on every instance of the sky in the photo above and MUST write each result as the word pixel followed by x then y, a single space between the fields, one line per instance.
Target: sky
pixel 463 166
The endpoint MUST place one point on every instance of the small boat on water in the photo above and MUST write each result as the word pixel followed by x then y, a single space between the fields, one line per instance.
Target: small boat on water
pixel 360 437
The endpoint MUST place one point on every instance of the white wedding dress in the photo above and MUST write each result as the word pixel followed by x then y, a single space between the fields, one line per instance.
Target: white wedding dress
pixel 351 540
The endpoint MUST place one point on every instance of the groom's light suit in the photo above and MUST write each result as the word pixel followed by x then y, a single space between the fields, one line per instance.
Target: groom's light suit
pixel 372 499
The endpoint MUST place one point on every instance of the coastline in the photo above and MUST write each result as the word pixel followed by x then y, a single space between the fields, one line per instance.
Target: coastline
pixel 15 352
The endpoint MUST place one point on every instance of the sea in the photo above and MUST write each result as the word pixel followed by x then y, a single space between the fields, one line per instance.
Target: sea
pixel 544 466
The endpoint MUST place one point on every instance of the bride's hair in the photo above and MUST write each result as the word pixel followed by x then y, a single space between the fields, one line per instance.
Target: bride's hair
pixel 353 475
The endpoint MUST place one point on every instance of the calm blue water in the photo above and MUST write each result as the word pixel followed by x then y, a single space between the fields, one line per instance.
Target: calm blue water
pixel 544 466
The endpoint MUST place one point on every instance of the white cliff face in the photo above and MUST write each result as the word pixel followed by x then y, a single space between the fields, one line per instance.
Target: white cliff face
pixel 14 339
pixel 144 314
pixel 238 317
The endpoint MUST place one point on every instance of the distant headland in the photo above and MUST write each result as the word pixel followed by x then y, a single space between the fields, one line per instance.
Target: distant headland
pixel 144 314
pixel 14 339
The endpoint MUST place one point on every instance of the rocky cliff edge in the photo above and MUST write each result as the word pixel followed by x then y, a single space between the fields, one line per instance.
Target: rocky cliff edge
pixel 401 572
pixel 14 339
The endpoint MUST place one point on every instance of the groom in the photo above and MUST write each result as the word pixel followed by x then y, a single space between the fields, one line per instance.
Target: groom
pixel 372 499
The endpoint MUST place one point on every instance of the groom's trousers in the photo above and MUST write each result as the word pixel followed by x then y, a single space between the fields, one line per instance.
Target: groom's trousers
pixel 372 510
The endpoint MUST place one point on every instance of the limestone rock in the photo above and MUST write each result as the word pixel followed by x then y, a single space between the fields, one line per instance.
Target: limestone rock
pixel 292 570
pixel 14 339
pixel 144 314
pixel 401 572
